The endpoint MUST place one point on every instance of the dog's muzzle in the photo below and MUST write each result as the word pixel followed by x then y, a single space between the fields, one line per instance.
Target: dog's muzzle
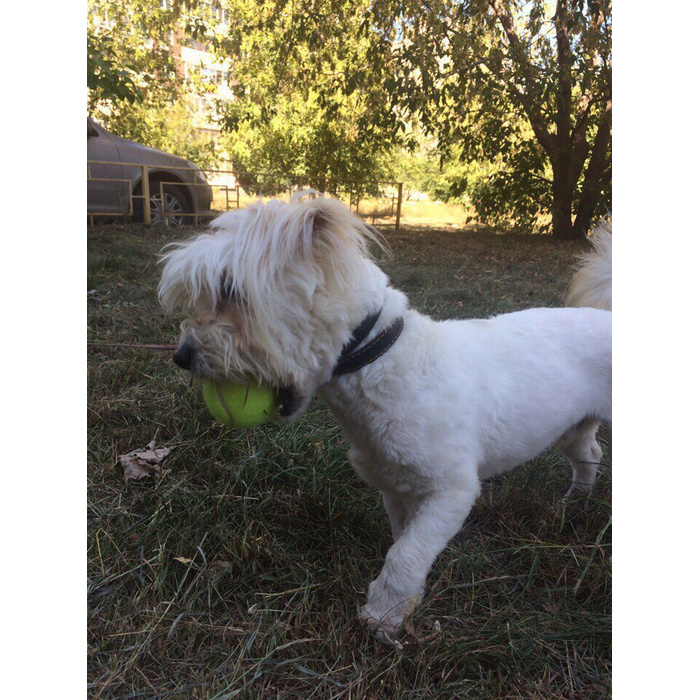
pixel 290 400
pixel 184 357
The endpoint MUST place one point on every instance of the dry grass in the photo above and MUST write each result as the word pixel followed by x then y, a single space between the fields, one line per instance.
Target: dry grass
pixel 433 213
pixel 377 211
pixel 413 213
pixel 238 573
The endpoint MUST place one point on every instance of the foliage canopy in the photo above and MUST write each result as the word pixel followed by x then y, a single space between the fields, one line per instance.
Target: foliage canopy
pixel 135 83
pixel 307 100
pixel 522 91
pixel 513 97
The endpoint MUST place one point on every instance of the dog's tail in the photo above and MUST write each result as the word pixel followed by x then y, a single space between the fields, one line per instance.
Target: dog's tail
pixel 592 282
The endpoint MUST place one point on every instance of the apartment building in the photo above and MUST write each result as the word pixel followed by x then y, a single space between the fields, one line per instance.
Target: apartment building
pixel 206 77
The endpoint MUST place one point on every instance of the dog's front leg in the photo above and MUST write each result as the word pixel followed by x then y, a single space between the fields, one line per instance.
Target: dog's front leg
pixel 399 587
pixel 398 511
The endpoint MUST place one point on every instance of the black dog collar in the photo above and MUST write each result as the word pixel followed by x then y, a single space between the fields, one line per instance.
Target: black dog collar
pixel 351 359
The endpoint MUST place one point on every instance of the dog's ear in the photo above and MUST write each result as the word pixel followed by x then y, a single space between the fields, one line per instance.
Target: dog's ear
pixel 321 213
pixel 321 221
pixel 329 226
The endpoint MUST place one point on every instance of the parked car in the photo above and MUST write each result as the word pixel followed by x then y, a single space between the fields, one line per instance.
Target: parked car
pixel 178 190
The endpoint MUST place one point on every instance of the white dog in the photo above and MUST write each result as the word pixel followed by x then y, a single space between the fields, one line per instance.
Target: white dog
pixel 288 293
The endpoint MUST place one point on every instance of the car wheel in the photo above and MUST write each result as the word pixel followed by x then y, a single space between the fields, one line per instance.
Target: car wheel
pixel 172 209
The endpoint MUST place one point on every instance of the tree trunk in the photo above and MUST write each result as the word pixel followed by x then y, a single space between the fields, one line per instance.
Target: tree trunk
pixel 562 161
pixel 590 198
pixel 597 174
pixel 567 148
pixel 563 195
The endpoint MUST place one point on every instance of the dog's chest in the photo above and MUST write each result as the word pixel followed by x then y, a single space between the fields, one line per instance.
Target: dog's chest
pixel 383 449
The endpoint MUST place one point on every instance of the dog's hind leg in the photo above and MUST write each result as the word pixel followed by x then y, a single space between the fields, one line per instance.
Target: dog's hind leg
pixel 399 587
pixel 580 447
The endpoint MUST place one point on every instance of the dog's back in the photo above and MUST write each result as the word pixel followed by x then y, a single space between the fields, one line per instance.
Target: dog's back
pixel 592 284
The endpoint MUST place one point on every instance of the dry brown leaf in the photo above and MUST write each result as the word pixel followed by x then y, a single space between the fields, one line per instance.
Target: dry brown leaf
pixel 139 464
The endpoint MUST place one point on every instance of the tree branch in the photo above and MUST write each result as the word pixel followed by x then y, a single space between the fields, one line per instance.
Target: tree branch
pixel 520 54
pixel 565 62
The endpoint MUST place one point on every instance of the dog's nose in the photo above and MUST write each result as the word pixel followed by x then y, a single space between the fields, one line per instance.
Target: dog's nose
pixel 184 356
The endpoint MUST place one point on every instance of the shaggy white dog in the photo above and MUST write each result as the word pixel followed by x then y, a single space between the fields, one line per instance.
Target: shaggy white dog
pixel 284 291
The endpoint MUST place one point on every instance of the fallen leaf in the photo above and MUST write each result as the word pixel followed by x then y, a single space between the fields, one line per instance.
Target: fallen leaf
pixel 139 464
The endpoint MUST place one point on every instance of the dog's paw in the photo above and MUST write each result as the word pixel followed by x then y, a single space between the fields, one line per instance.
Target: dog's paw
pixel 577 491
pixel 385 614
pixel 386 628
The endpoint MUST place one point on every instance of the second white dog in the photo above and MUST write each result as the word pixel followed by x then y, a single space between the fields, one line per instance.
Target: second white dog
pixel 288 294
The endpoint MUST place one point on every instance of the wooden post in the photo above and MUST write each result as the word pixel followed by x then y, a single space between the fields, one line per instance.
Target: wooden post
pixel 146 191
pixel 399 197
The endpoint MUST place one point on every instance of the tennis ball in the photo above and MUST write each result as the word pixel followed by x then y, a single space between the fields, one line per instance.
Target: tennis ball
pixel 240 405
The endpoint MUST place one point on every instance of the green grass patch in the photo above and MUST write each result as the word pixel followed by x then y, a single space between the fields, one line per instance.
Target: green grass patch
pixel 238 573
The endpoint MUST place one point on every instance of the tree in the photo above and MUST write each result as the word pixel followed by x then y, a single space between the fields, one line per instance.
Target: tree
pixel 169 127
pixel 505 83
pixel 521 89
pixel 131 36
pixel 516 93
pixel 107 81
pixel 136 86
pixel 309 95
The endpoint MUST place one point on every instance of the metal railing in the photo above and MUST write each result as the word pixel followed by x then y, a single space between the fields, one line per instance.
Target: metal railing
pixel 378 201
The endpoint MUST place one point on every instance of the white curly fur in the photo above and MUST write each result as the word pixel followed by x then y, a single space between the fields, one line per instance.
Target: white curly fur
pixel 592 284
pixel 451 403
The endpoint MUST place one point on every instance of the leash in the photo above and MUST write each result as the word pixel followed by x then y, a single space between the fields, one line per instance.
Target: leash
pixel 132 346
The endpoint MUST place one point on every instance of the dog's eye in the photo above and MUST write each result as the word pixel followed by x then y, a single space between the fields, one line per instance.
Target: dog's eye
pixel 228 292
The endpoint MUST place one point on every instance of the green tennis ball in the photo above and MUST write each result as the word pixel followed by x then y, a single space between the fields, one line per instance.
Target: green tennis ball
pixel 240 405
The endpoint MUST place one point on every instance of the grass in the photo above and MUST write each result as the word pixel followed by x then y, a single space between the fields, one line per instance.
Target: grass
pixel 238 573
pixel 376 210
pixel 413 213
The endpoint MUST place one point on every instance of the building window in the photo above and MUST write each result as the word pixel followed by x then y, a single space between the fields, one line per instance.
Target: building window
pixel 222 15
pixel 198 45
